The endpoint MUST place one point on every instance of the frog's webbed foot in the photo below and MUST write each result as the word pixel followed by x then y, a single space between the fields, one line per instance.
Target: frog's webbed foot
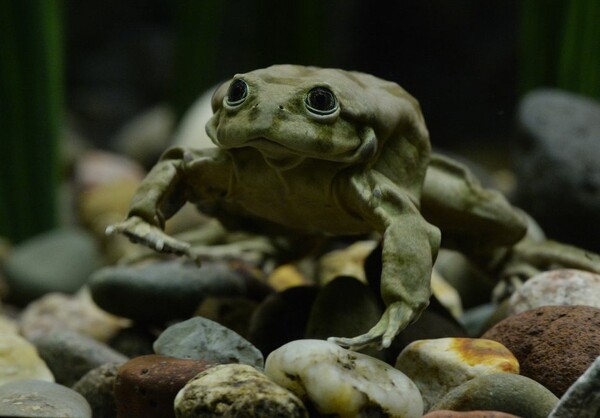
pixel 395 318
pixel 140 231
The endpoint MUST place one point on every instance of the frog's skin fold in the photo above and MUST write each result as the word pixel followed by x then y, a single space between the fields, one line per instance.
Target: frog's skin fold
pixel 305 150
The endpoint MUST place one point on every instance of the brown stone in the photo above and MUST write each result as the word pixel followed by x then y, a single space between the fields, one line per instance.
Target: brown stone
pixel 146 386
pixel 469 414
pixel 554 344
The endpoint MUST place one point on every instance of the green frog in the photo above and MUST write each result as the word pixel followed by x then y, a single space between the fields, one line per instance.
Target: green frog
pixel 309 151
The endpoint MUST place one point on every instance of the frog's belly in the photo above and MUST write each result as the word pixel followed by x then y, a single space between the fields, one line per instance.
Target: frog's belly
pixel 306 213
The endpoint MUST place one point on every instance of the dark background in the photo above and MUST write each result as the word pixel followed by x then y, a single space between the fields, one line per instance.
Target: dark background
pixel 457 57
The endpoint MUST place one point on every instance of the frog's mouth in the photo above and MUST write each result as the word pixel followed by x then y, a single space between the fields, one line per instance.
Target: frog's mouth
pixel 276 155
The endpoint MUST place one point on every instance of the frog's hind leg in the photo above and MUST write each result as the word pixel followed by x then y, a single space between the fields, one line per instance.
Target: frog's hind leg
pixel 476 221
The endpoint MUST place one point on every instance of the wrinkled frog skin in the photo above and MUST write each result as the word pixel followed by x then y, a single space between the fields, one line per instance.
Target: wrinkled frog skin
pixel 324 151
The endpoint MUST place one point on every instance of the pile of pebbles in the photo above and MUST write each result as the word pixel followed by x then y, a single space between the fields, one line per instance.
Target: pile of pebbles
pixel 83 335
pixel 157 340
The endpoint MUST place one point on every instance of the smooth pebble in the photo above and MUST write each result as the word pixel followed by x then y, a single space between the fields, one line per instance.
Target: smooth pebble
pixel 343 383
pixel 440 365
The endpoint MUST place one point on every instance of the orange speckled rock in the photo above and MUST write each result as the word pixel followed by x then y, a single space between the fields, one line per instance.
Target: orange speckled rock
pixel 554 344
pixel 438 366
pixel 469 414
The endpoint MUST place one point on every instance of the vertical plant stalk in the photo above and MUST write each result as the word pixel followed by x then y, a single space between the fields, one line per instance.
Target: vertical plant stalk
pixel 30 115
pixel 579 66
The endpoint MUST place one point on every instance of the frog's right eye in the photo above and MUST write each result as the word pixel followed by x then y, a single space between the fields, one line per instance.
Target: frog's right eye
pixel 237 93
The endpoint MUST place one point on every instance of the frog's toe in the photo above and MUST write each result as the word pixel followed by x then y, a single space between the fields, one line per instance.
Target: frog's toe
pixel 359 342
pixel 395 318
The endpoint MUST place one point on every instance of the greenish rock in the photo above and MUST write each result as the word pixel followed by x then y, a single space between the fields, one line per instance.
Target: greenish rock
pixel 37 398
pixel 345 306
pixel 504 392
pixel 61 260
pixel 96 386
pixel 162 291
pixel 202 339
pixel 70 355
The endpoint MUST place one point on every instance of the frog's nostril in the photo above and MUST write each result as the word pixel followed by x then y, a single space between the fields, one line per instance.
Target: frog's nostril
pixel 280 107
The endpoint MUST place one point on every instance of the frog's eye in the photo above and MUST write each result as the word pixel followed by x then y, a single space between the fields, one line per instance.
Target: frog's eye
pixel 321 101
pixel 237 93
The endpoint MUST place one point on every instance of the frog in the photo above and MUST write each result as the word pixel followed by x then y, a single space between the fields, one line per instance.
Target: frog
pixel 307 151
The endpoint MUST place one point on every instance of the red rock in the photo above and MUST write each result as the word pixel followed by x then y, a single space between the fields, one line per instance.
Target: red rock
pixel 469 414
pixel 146 386
pixel 554 344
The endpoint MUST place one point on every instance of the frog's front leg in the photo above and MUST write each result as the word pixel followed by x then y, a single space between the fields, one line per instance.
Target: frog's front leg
pixel 410 245
pixel 170 183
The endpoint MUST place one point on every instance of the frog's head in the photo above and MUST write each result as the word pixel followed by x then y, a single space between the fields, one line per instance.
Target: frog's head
pixel 348 117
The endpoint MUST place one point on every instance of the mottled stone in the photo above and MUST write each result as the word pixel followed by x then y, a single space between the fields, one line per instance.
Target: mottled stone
pixel 282 317
pixel 339 382
pixel 504 392
pixel 554 344
pixel 146 386
pixel 438 366
pixel 163 291
pixel 582 400
pixel 70 355
pixel 19 360
pixel 469 414
pixel 57 261
pixel 202 339
pixel 345 307
pixel 37 398
pixel 96 386
pixel 557 165
pixel 557 287
pixel 77 313
pixel 236 390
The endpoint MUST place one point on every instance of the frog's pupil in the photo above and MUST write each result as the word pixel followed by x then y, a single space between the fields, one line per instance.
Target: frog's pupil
pixel 237 91
pixel 321 99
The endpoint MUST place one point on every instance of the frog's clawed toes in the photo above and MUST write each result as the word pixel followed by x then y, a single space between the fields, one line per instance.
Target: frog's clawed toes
pixel 139 231
pixel 395 318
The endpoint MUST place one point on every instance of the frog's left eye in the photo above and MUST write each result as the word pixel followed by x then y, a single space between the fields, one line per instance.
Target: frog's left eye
pixel 237 93
pixel 321 101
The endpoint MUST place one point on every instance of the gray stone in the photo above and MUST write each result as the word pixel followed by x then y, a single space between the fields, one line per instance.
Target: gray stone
pixel 162 291
pixel 70 355
pixel 202 339
pixel 36 398
pixel 582 399
pixel 236 390
pixel 557 287
pixel 504 392
pixel 96 386
pixel 557 164
pixel 57 261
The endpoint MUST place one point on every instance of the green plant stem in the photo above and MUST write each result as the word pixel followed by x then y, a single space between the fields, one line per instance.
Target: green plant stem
pixel 30 115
